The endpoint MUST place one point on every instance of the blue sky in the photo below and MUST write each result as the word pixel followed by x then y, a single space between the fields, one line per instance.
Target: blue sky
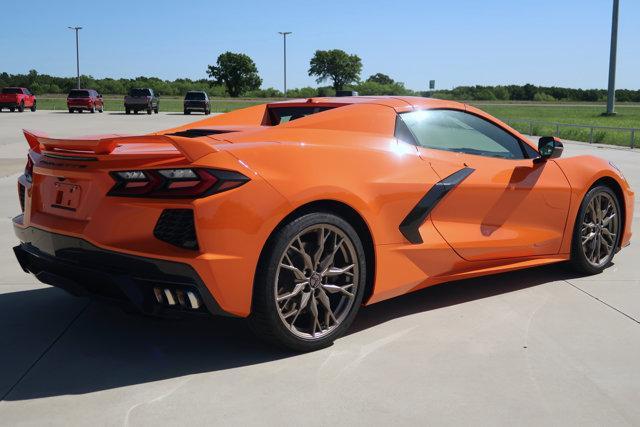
pixel 455 42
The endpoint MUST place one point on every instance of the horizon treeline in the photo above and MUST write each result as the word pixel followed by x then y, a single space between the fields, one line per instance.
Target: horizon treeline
pixel 45 84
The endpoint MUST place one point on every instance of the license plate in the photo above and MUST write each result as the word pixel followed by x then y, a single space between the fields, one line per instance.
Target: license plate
pixel 67 196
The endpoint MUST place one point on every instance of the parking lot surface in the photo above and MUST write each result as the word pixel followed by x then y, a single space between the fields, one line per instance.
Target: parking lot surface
pixel 539 346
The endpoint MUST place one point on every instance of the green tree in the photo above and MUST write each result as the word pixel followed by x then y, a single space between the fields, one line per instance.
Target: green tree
pixel 237 72
pixel 335 65
pixel 383 79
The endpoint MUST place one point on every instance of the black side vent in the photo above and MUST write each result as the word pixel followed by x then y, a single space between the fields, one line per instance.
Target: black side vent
pixel 176 226
pixel 21 195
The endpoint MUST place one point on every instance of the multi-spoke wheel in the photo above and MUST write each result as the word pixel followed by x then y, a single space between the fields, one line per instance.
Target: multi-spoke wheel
pixel 597 230
pixel 310 284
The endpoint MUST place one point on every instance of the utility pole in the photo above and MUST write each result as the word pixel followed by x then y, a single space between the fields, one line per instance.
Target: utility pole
pixel 77 54
pixel 284 38
pixel 611 98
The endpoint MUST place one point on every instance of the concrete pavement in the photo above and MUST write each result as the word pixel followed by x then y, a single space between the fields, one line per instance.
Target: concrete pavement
pixel 538 346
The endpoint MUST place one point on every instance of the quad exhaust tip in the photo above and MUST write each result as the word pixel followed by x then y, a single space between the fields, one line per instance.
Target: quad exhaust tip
pixel 177 297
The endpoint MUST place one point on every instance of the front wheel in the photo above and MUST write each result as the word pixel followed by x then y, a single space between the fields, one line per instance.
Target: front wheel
pixel 34 107
pixel 310 283
pixel 92 110
pixel 596 234
pixel 21 107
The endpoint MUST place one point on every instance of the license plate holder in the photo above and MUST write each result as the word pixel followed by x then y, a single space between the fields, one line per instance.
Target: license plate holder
pixel 67 196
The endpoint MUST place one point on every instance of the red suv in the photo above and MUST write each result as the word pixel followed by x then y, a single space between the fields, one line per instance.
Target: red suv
pixel 17 98
pixel 84 99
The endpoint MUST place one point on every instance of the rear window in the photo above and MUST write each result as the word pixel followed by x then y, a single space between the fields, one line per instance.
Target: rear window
pixel 79 94
pixel 11 90
pixel 279 115
pixel 195 96
pixel 139 92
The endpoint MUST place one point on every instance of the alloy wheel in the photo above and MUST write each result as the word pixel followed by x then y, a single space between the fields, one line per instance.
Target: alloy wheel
pixel 599 229
pixel 316 281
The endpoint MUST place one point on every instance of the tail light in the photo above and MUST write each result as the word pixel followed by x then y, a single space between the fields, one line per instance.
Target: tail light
pixel 174 183
pixel 28 169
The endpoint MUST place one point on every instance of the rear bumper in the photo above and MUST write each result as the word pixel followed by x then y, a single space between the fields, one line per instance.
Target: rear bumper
pixel 83 269
pixel 195 106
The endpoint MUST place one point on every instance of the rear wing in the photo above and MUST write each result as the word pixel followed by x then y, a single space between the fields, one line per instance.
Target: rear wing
pixel 192 149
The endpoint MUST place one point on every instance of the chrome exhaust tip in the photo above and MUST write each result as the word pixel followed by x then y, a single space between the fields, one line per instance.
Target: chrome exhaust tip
pixel 169 296
pixel 194 302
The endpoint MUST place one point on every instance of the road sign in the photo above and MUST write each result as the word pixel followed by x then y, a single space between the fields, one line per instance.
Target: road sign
pixel 432 84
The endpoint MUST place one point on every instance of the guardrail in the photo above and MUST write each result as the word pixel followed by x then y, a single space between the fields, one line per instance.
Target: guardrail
pixel 532 123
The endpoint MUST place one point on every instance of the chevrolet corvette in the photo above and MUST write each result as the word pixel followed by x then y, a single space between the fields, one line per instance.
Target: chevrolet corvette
pixel 295 214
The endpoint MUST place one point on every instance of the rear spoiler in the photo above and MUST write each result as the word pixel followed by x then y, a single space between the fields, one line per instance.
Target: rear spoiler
pixel 192 149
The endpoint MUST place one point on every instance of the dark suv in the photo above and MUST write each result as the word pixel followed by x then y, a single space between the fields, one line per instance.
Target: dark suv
pixel 197 100
pixel 141 99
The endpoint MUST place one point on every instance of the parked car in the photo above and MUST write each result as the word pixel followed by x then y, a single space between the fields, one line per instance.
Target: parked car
pixel 141 99
pixel 197 100
pixel 17 98
pixel 294 214
pixel 84 99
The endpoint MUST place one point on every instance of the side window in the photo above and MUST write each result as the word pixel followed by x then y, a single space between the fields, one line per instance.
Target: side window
pixel 454 130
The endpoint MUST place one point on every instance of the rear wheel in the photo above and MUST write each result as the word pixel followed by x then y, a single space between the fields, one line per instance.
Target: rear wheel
pixel 310 283
pixel 12 109
pixel 187 112
pixel 127 111
pixel 70 110
pixel 135 111
pixel 21 106
pixel 149 110
pixel 34 107
pixel 92 110
pixel 597 231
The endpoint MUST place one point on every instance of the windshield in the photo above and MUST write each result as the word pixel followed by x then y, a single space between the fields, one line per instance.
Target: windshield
pixel 11 90
pixel 280 115
pixel 79 94
pixel 139 92
pixel 195 96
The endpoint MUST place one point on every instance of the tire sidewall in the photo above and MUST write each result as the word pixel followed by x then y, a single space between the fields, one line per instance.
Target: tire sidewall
pixel 578 256
pixel 267 275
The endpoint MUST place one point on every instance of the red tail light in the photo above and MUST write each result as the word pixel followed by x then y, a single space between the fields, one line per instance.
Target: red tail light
pixel 28 169
pixel 174 183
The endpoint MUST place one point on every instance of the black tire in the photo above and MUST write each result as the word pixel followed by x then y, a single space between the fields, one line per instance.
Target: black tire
pixel 34 107
pixel 265 319
pixel 187 112
pixel 149 110
pixel 135 111
pixel 70 110
pixel 92 110
pixel 101 109
pixel 12 109
pixel 579 259
pixel 127 111
pixel 207 112
pixel 21 107
pixel 155 110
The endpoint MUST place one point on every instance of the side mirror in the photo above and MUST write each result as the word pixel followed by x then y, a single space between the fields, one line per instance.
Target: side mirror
pixel 549 147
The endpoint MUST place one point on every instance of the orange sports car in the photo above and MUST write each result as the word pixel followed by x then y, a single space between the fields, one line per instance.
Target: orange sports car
pixel 294 214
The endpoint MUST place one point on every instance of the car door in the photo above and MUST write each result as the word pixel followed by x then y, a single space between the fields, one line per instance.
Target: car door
pixel 504 204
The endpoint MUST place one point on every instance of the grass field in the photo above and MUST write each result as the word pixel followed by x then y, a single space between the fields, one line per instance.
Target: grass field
pixel 579 114
pixel 589 115
pixel 221 105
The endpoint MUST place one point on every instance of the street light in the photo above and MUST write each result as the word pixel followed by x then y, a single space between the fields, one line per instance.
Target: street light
pixel 77 54
pixel 284 38
pixel 611 97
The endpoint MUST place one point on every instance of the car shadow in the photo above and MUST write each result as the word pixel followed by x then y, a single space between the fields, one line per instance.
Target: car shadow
pixel 105 348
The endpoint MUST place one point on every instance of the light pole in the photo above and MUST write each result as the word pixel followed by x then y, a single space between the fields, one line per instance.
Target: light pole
pixel 284 38
pixel 611 98
pixel 77 54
